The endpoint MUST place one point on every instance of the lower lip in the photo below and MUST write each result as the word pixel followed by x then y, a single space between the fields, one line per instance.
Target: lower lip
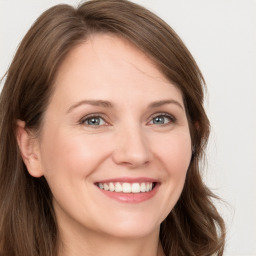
pixel 131 197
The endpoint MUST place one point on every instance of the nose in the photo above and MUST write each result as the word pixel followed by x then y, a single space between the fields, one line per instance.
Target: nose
pixel 131 148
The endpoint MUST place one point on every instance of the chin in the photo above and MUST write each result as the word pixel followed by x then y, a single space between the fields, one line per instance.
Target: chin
pixel 133 227
pixel 133 232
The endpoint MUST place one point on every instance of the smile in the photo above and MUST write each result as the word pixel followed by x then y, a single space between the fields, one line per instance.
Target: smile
pixel 126 187
pixel 129 190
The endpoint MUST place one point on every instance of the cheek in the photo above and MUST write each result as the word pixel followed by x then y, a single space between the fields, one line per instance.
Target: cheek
pixel 174 151
pixel 72 155
pixel 174 155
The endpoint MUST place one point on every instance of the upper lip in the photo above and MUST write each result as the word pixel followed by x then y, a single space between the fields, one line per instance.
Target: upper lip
pixel 129 180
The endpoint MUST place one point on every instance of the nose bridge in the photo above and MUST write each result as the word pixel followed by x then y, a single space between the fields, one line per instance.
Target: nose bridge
pixel 131 146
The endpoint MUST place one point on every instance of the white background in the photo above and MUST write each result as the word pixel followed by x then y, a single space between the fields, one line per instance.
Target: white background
pixel 221 35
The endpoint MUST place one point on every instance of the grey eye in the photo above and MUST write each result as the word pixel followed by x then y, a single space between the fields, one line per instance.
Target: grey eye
pixel 161 119
pixel 94 121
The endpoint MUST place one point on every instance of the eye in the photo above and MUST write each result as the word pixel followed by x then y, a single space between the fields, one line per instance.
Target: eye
pixel 162 119
pixel 93 121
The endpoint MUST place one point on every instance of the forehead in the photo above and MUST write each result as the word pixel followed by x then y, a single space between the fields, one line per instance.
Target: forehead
pixel 105 62
pixel 102 48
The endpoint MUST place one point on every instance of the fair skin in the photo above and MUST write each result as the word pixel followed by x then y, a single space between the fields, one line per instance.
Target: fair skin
pixel 113 118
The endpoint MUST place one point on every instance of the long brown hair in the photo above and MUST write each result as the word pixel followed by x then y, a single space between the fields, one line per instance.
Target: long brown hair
pixel 27 219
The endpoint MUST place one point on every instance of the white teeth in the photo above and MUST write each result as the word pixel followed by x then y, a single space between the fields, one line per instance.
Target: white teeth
pixel 135 188
pixel 127 187
pixel 105 186
pixel 118 187
pixel 143 187
pixel 111 187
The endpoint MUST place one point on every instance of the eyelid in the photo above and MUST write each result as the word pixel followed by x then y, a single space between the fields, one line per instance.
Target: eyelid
pixel 172 117
pixel 99 115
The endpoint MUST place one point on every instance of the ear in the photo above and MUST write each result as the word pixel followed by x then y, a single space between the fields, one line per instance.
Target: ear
pixel 29 149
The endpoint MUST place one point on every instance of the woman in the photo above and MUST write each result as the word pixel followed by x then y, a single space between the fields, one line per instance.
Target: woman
pixel 102 131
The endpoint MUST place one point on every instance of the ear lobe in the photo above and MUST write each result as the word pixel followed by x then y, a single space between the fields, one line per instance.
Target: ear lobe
pixel 29 149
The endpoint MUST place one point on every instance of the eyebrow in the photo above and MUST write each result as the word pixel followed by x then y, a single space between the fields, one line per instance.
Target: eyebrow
pixel 108 104
pixel 160 103
pixel 97 103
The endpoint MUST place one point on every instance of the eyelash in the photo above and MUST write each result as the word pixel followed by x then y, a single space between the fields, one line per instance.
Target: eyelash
pixel 88 117
pixel 172 119
pixel 85 119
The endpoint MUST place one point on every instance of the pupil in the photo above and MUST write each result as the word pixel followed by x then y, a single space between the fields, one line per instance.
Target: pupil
pixel 94 121
pixel 158 120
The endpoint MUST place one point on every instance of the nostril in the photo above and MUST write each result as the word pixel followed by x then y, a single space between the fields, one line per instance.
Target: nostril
pixel 130 158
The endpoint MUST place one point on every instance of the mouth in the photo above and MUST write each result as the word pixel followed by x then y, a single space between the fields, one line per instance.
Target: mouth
pixel 128 190
pixel 127 187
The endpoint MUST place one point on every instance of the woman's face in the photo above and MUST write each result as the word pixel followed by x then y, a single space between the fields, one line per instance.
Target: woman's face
pixel 115 143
